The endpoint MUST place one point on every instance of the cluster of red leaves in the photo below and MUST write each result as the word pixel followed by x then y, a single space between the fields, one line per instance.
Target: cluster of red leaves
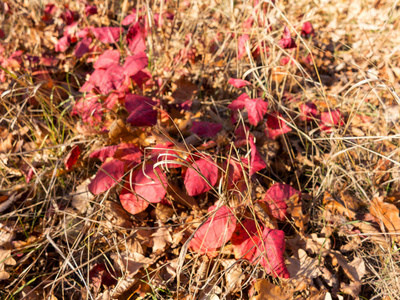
pixel 145 182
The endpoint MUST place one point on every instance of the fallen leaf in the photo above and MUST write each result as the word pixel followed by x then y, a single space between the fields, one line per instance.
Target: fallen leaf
pixel 5 259
pixel 107 59
pixel 278 197
pixel 201 177
pixel 238 83
pixel 108 176
pixel 107 35
pixel 388 214
pixel 72 157
pixel 161 238
pixel 269 291
pixel 215 232
pixel 276 126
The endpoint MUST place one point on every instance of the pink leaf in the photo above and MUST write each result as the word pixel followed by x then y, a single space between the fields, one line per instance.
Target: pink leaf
pixel 287 42
pixel 88 109
pixel 215 232
pixel 109 175
pixel 256 109
pixel 112 80
pixel 330 119
pixel 107 59
pixel 275 126
pixel 129 19
pixel 135 63
pixel 242 45
pixel 256 162
pixel 205 129
pixel 194 182
pixel 136 39
pixel 239 103
pixel 262 246
pixel 50 9
pixel 235 172
pixel 307 29
pixel 104 153
pixel 141 109
pixel 238 83
pixel 276 198
pixel 308 111
pixel 107 35
pixel 82 47
pixel 72 157
pixel 63 44
pixel 146 187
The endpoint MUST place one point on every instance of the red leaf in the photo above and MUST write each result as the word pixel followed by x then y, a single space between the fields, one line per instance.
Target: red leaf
pixel 109 175
pixel 2 34
pixel 205 129
pixel 72 157
pixel 146 187
pixel 308 111
pixel 162 151
pixel 107 35
pixel 82 47
pixel 242 45
pixel 238 83
pixel 129 19
pixel 266 249
pixel 141 110
pixel 136 39
pixel 130 202
pixel 276 198
pixel 129 153
pixel 239 103
pixel 287 42
pixel 104 153
pixel 235 172
pixel 63 44
pixel 135 63
pixel 194 182
pixel 107 59
pixel 256 109
pixel 50 9
pixel 141 78
pixel 330 119
pixel 112 79
pixel 307 29
pixel 256 162
pixel 89 109
pixel 215 232
pixel 90 10
pixel 276 126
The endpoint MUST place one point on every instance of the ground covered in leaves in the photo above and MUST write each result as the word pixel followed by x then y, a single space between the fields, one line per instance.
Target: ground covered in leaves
pixel 199 149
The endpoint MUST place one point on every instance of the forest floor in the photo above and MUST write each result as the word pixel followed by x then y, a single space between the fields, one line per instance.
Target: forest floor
pixel 203 149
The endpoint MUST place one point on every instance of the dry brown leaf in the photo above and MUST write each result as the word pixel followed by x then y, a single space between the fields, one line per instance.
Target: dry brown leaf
pixel 335 207
pixel 304 266
pixel 354 270
pixel 387 213
pixel 295 208
pixel 269 291
pixel 117 215
pixel 5 259
pixel 82 197
pixel 161 238
pixel 128 265
pixel 163 212
pixel 233 275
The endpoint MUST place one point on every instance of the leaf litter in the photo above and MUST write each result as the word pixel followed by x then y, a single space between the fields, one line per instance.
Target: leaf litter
pixel 144 157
